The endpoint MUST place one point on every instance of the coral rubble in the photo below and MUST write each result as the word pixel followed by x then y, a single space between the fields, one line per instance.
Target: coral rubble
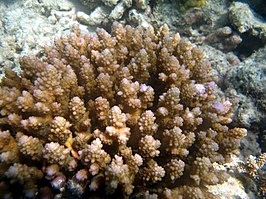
pixel 103 13
pixel 115 114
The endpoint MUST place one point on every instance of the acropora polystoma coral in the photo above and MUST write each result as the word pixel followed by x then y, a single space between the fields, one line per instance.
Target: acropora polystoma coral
pixel 130 113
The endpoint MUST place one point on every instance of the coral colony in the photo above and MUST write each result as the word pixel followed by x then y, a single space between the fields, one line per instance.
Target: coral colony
pixel 133 113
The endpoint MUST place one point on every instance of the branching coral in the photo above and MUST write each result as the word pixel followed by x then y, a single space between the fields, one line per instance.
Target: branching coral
pixel 254 168
pixel 124 112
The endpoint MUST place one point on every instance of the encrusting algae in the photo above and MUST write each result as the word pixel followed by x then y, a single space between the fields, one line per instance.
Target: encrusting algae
pixel 184 5
pixel 130 113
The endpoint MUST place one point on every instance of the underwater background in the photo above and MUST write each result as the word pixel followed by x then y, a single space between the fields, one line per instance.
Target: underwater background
pixel 231 35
